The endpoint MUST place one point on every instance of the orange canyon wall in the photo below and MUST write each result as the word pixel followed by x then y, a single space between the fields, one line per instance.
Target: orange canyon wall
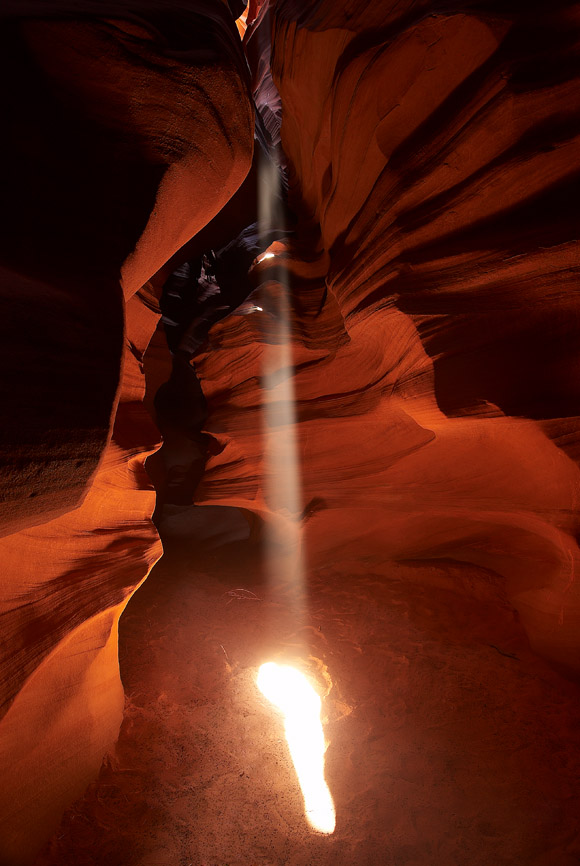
pixel 124 141
pixel 433 163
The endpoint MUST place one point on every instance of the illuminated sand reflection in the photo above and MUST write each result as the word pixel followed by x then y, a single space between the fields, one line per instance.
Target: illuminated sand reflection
pixel 291 692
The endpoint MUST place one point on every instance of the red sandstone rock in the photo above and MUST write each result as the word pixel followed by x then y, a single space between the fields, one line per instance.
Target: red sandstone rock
pixel 440 167
pixel 433 163
pixel 125 142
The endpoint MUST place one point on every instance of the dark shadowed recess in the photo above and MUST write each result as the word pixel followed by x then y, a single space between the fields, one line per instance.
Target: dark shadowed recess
pixel 512 341
pixel 76 194
pixel 517 350
pixel 62 327
pixel 357 15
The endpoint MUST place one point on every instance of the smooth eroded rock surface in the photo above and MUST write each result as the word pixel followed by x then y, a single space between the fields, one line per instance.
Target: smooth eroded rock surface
pixel 128 130
pixel 433 162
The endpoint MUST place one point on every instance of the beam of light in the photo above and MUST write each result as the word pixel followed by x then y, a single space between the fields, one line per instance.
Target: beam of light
pixel 282 481
pixel 290 691
pixel 284 686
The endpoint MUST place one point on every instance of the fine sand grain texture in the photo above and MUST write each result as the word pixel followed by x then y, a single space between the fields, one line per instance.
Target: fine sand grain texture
pixel 450 744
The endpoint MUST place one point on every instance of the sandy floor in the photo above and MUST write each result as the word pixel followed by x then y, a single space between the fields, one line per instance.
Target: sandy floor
pixel 449 743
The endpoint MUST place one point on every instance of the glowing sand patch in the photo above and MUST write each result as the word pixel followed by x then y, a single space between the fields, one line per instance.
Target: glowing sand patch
pixel 291 692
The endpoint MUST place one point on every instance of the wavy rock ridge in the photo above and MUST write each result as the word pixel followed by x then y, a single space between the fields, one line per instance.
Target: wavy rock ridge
pixel 112 165
pixel 433 161
pixel 432 158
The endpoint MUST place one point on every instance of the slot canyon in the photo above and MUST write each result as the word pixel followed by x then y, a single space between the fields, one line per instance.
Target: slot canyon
pixel 291 433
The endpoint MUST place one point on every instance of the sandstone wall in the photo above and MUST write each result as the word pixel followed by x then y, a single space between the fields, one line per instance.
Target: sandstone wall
pixel 125 137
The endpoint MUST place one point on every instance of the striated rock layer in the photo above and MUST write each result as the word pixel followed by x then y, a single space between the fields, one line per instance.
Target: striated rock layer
pixel 433 158
pixel 431 152
pixel 126 137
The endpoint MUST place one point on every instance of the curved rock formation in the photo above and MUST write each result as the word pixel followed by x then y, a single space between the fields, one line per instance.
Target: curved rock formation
pixel 128 133
pixel 431 152
pixel 434 159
